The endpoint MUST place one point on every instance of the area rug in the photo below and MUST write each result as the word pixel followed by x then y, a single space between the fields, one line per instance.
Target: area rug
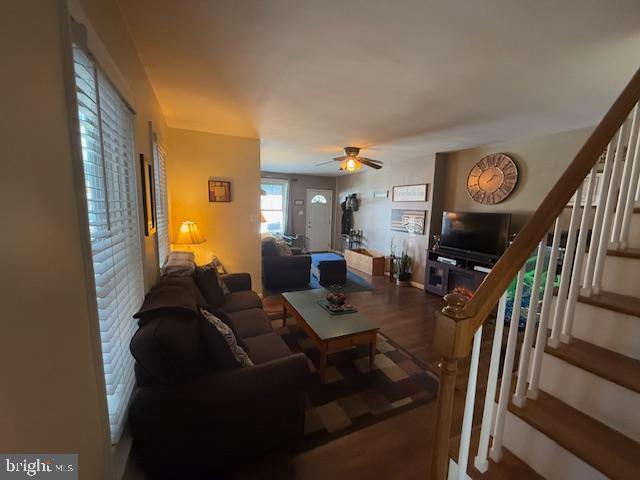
pixel 354 283
pixel 353 396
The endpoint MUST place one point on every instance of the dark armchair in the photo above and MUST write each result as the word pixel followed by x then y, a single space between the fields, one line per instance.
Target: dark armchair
pixel 281 271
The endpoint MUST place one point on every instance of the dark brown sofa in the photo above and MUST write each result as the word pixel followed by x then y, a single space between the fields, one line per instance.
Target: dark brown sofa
pixel 189 420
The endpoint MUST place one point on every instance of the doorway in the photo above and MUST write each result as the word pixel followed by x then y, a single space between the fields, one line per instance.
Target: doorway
pixel 319 214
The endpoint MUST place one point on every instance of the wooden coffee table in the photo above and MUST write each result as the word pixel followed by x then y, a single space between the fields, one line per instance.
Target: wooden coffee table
pixel 330 333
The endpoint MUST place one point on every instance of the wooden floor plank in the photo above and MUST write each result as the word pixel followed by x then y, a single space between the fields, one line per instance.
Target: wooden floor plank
pixel 607 450
pixel 617 368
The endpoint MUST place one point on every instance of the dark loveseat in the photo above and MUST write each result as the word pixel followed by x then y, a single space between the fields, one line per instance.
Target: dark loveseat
pixel 281 271
pixel 188 417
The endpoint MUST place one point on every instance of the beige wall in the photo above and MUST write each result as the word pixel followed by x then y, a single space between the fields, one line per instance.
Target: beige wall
pixel 52 397
pixel 232 229
pixel 105 18
pixel 540 161
pixel 299 186
pixel 374 215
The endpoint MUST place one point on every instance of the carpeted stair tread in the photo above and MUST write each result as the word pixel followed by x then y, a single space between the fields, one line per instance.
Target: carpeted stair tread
pixel 615 302
pixel 617 368
pixel 607 450
pixel 510 466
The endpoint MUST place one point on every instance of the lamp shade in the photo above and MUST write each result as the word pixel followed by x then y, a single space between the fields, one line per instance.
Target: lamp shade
pixel 189 234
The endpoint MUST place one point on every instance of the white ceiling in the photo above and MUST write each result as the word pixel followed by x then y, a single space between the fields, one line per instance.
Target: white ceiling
pixel 404 77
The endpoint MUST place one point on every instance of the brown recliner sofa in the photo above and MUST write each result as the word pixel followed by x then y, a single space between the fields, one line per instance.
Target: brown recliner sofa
pixel 189 416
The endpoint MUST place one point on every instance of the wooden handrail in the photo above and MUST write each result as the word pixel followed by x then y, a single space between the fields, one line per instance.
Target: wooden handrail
pixel 501 275
pixel 458 321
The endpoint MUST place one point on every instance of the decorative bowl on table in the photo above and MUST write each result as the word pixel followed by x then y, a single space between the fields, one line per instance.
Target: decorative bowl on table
pixel 336 296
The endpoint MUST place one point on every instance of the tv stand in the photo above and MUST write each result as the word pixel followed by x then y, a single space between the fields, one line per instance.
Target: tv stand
pixel 447 270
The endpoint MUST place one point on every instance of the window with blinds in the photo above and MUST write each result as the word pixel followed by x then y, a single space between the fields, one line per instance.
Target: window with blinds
pixel 162 215
pixel 106 136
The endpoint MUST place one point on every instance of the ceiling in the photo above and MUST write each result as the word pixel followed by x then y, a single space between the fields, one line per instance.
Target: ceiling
pixel 404 78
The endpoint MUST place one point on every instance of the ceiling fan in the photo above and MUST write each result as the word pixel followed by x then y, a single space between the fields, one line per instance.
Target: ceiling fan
pixel 351 162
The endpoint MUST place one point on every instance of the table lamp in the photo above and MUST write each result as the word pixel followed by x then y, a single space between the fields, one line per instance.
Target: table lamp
pixel 189 234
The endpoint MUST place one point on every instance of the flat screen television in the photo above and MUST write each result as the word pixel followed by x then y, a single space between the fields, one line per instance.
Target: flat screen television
pixel 483 233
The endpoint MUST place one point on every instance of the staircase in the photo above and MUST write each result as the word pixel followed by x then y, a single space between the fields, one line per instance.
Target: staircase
pixel 567 406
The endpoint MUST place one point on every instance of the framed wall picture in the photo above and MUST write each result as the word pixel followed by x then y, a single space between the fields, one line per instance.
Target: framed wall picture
pixel 410 193
pixel 219 191
pixel 408 221
pixel 148 196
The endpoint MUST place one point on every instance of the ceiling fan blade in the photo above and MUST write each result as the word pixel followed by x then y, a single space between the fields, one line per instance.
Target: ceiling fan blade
pixel 323 163
pixel 365 161
pixel 340 159
pixel 379 162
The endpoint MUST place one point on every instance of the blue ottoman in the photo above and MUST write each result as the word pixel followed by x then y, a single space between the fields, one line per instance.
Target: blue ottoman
pixel 329 268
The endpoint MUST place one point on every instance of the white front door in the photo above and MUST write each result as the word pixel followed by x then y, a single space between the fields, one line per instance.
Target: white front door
pixel 319 207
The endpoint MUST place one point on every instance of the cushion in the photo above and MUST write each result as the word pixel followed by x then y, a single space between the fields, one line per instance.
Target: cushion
pixel 269 247
pixel 242 300
pixel 171 296
pixel 210 284
pixel 267 347
pixel 239 355
pixel 249 323
pixel 224 316
pixel 168 350
pixel 283 248
pixel 178 264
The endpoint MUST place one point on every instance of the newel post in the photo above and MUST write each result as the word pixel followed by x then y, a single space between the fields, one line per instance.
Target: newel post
pixel 452 340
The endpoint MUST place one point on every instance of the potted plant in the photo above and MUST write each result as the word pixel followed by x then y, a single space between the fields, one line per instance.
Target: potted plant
pixel 403 267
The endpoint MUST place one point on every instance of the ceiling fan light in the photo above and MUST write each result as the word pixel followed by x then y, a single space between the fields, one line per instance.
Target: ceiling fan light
pixel 351 165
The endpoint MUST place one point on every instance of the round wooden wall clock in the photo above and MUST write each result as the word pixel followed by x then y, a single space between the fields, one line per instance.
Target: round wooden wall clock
pixel 492 179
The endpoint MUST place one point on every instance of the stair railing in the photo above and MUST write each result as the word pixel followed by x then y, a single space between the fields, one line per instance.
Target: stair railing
pixel 611 185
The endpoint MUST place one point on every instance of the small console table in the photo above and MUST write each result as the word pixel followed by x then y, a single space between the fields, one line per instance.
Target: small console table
pixel 447 270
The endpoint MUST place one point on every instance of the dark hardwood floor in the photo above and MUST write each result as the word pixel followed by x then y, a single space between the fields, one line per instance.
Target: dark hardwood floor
pixel 396 448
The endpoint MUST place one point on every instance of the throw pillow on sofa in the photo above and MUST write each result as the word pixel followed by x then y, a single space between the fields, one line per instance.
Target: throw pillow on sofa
pixel 211 284
pixel 178 264
pixel 223 331
pixel 269 247
pixel 283 248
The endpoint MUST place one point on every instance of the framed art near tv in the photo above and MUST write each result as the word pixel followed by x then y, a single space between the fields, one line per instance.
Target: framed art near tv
pixel 409 221
pixel 148 196
pixel 219 191
pixel 410 193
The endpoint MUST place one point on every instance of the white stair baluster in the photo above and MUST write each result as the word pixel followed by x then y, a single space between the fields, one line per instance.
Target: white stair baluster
pixel 616 232
pixel 519 398
pixel 541 339
pixel 507 372
pixel 596 229
pixel 612 195
pixel 467 420
pixel 565 275
pixel 574 288
pixel 631 195
pixel 481 462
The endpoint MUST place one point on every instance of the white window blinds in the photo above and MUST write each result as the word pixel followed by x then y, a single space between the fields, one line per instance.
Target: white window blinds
pixel 106 135
pixel 162 214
